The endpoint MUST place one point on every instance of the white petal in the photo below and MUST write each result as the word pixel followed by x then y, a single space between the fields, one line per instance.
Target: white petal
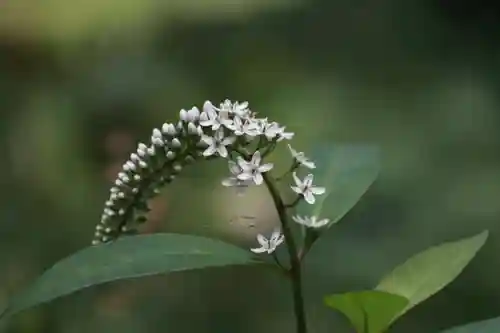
pixel 219 135
pixel 317 190
pixel 278 241
pixel 259 250
pixel 308 180
pixel 244 165
pixel 299 219
pixel 286 136
pixel 296 189
pixel 245 176
pixel 258 179
pixel 212 114
pixel 308 164
pixel 209 151
pixel 207 139
pixel 222 151
pixel 321 223
pixel 262 240
pixel 309 197
pixel 234 168
pixel 256 158
pixel 271 249
pixel 265 167
pixel 297 180
pixel 275 234
pixel 228 141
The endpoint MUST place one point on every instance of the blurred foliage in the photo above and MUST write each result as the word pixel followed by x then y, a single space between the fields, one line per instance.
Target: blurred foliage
pixel 83 81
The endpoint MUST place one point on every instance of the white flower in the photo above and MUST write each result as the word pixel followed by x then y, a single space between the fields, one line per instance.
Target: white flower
pixel 310 221
pixel 240 126
pixel 233 181
pixel 252 170
pixel 210 117
pixel 238 109
pixel 217 143
pixel 306 189
pixel 269 245
pixel 271 130
pixel 301 158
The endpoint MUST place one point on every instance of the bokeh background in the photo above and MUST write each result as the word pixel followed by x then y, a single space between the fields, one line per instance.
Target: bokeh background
pixel 83 81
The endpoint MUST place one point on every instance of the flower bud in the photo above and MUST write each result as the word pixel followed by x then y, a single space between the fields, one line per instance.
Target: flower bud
pixel 170 155
pixel 192 129
pixel 175 143
pixel 157 141
pixel 207 106
pixel 169 129
pixel 177 167
pixel 183 115
pixel 157 133
pixel 194 113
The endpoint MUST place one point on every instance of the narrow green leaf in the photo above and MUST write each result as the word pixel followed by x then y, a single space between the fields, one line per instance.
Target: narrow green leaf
pixel 426 273
pixel 485 326
pixel 129 257
pixel 369 311
pixel 346 171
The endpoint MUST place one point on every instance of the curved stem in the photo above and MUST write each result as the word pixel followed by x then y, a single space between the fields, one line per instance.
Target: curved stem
pixel 295 269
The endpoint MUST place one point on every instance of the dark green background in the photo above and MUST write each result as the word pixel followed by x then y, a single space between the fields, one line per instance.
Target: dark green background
pixel 419 78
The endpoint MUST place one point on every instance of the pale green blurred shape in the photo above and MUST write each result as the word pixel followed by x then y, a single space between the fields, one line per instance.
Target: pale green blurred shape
pixel 76 20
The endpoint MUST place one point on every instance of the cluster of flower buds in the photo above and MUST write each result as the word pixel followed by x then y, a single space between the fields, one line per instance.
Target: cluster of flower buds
pixel 147 170
pixel 214 132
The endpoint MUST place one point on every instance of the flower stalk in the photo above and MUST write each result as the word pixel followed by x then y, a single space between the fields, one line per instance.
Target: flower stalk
pixel 217 132
pixel 295 269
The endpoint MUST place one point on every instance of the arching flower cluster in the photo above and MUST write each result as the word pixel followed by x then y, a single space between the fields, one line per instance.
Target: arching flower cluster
pixel 215 132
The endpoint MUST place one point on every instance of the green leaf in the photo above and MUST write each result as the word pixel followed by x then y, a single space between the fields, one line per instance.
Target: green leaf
pixel 485 326
pixel 426 273
pixel 129 257
pixel 346 171
pixel 369 311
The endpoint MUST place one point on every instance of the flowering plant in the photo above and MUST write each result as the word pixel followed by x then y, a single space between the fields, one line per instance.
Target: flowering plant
pixel 233 132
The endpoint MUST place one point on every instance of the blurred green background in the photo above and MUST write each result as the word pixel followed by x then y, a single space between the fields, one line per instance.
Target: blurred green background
pixel 82 81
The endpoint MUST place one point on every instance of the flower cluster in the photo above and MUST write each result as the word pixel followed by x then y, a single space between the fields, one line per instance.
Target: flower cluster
pixel 226 132
pixel 213 132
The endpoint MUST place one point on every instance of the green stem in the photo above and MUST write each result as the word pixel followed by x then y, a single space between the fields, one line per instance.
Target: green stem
pixel 295 269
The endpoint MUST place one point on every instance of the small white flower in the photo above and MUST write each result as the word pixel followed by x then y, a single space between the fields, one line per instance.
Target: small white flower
pixel 269 245
pixel 210 117
pixel 233 181
pixel 217 143
pixel 306 189
pixel 301 158
pixel 239 126
pixel 252 170
pixel 238 109
pixel 271 130
pixel 310 221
